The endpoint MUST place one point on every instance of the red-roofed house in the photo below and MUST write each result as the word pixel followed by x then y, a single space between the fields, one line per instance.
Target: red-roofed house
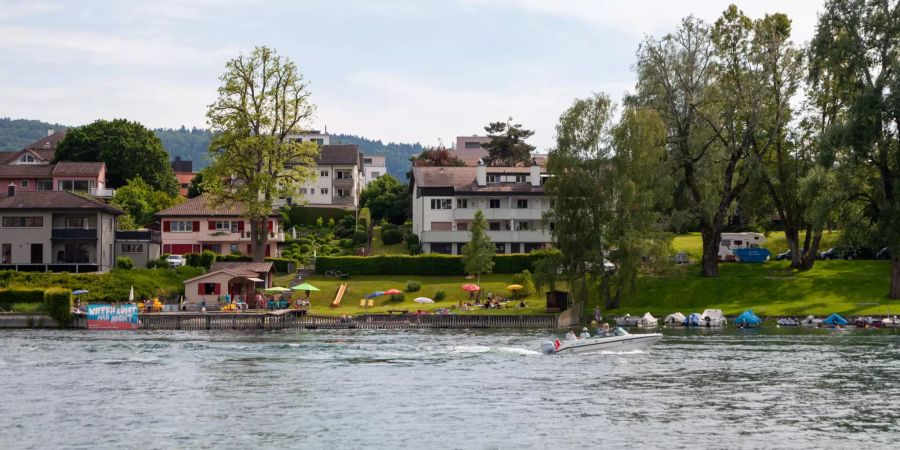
pixel 197 225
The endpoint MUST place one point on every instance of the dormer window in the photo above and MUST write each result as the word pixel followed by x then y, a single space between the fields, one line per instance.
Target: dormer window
pixel 27 158
pixel 492 178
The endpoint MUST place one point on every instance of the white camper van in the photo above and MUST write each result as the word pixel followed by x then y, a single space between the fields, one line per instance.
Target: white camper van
pixel 732 241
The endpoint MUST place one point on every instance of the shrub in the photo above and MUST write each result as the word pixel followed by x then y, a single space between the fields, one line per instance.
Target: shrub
pixel 320 222
pixel 360 237
pixel 413 286
pixel 11 296
pixel 304 249
pixel 238 256
pixel 439 295
pixel 391 236
pixel 124 262
pixel 345 243
pixel 206 259
pixel 281 265
pixel 28 308
pixel 525 279
pixel 397 297
pixel 192 259
pixel 58 305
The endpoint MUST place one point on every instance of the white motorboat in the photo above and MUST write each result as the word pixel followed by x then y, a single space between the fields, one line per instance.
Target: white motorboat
pixel 811 321
pixel 788 322
pixel 713 318
pixel 618 340
pixel 645 321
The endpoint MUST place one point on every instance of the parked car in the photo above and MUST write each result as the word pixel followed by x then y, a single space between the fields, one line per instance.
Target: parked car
pixel 786 255
pixel 175 260
pixel 842 252
pixel 884 253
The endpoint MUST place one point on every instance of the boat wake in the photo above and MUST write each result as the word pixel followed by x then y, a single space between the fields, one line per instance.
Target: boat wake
pixel 486 349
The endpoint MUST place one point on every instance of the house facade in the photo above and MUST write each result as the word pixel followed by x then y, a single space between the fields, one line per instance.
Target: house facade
pixel 56 231
pixel 338 178
pixel 512 199
pixel 238 279
pixel 374 166
pixel 198 225
pixel 184 173
pixel 142 246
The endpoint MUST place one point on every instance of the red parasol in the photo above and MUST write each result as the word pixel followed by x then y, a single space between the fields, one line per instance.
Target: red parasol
pixel 392 292
pixel 470 287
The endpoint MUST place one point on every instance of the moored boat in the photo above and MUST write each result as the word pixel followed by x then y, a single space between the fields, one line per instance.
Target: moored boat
pixel 618 340
pixel 788 322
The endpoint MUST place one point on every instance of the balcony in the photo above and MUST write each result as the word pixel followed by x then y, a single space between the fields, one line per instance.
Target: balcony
pixel 103 192
pixel 139 235
pixel 238 236
pixel 343 182
pixel 74 233
pixel 524 236
pixel 499 213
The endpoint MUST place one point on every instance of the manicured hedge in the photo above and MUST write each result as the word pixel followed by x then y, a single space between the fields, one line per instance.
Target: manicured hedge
pixel 58 305
pixel 307 215
pixel 16 295
pixel 281 264
pixel 430 264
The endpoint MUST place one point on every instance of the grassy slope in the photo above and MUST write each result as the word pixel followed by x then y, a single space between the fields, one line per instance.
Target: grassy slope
pixel 363 285
pixel 378 247
pixel 692 244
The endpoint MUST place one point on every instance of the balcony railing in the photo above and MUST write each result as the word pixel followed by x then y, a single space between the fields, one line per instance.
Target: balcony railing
pixel 74 233
pixel 139 235
pixel 525 236
pixel 103 192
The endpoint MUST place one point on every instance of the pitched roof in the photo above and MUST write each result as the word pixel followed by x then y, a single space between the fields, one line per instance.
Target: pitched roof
pixel 234 274
pixel 53 200
pixel 25 171
pixel 78 168
pixel 242 266
pixel 50 142
pixel 345 155
pixel 443 176
pixel 200 206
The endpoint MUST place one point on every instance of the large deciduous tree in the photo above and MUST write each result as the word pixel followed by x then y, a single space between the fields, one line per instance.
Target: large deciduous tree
pixel 127 148
pixel 387 199
pixel 478 254
pixel 507 146
pixel 262 99
pixel 855 54
pixel 141 202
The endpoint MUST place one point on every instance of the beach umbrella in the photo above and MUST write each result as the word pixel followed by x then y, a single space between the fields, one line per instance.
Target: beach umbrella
pixel 375 294
pixel 276 289
pixel 305 287
pixel 79 292
pixel 515 287
pixel 423 300
pixel 392 292
pixel 131 294
pixel 470 288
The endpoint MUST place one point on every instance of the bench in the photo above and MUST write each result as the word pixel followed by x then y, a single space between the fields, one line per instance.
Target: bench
pixel 398 311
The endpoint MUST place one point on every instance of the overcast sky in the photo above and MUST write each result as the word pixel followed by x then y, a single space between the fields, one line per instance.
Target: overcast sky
pixel 403 71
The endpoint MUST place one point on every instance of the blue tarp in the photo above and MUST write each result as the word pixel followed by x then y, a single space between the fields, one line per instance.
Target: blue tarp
pixel 835 319
pixel 693 320
pixel 747 319
pixel 753 255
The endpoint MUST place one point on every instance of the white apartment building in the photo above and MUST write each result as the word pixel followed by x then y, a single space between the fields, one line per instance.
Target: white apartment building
pixel 338 178
pixel 374 166
pixel 512 199
pixel 312 136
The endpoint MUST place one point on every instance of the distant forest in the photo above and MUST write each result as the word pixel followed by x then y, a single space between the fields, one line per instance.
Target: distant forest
pixel 192 143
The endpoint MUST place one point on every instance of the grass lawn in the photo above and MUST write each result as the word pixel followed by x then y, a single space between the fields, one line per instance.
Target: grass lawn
pixel 378 247
pixel 846 287
pixel 360 286
pixel 692 243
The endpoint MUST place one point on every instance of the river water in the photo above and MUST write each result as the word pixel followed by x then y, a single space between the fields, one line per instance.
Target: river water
pixel 768 388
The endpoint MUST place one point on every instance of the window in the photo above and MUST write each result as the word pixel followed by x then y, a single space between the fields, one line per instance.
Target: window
pixel 521 226
pixel 494 203
pixel 303 191
pixel 343 193
pixel 23 222
pixel 132 248
pixel 45 185
pixel 376 174
pixel 522 203
pixel 343 174
pixel 179 226
pixel 367 160
pixel 492 178
pixel 462 203
pixel 462 226
pixel 471 144
pixel 24 183
pixel 224 225
pixel 494 226
pixel 76 222
pixel 235 248
pixel 208 288
pixel 323 191
pixel 318 141
pixel 6 254
pixel 323 173
pixel 521 178
pixel 441 203
pixel 74 185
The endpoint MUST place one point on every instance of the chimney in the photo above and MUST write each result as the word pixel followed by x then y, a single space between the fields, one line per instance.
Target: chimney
pixel 11 190
pixel 481 174
pixel 535 175
pixel 50 131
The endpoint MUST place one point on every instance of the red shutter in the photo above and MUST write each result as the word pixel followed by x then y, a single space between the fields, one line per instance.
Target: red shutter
pixel 167 248
pixel 267 250
pixel 167 225
pixel 212 225
pixel 241 226
pixel 200 288
pixel 218 289
pixel 196 226
pixel 270 225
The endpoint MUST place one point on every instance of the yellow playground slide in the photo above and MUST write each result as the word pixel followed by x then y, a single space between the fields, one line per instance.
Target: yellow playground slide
pixel 340 294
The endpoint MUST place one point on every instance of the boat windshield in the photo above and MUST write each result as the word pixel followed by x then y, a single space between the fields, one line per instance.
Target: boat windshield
pixel 620 332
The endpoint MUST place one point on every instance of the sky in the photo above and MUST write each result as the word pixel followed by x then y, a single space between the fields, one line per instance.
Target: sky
pixel 396 70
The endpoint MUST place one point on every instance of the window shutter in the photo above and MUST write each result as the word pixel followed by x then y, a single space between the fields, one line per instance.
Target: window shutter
pixel 218 288
pixel 270 225
pixel 167 248
pixel 200 288
pixel 196 226
pixel 241 226
pixel 212 225
pixel 167 225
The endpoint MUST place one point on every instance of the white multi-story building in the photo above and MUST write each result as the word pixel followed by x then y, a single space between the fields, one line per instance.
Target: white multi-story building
pixel 512 199
pixel 373 167
pixel 312 136
pixel 338 178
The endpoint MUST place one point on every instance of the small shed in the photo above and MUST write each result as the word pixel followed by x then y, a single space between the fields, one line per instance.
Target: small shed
pixel 239 280
pixel 557 301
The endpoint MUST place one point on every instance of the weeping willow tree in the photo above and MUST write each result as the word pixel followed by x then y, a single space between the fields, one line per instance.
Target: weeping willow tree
pixel 605 184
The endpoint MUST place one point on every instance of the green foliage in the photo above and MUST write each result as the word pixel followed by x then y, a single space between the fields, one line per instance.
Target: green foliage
pixel 413 286
pixel 206 259
pixel 391 236
pixel 190 144
pixel 128 149
pixel 360 237
pixel 478 254
pixel 439 295
pixel 16 134
pixel 58 305
pixel 507 146
pixel 11 296
pixel 387 199
pixel 436 157
pixel 141 202
pixel 365 218
pixel 124 262
pixel 112 286
pixel 525 279
pixel 160 263
pixel 428 264
pixel 331 222
pixel 281 265
pixel 195 189
pixel 413 244
pixel 397 297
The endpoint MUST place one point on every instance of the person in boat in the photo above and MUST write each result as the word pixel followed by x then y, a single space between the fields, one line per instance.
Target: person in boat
pixel 584 333
pixel 570 336
pixel 604 329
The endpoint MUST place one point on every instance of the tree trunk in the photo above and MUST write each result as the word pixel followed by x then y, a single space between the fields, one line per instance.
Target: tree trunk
pixel 711 241
pixel 812 251
pixel 258 238
pixel 895 277
pixel 792 236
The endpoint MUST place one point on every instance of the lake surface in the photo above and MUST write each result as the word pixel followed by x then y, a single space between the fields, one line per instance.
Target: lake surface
pixel 430 389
